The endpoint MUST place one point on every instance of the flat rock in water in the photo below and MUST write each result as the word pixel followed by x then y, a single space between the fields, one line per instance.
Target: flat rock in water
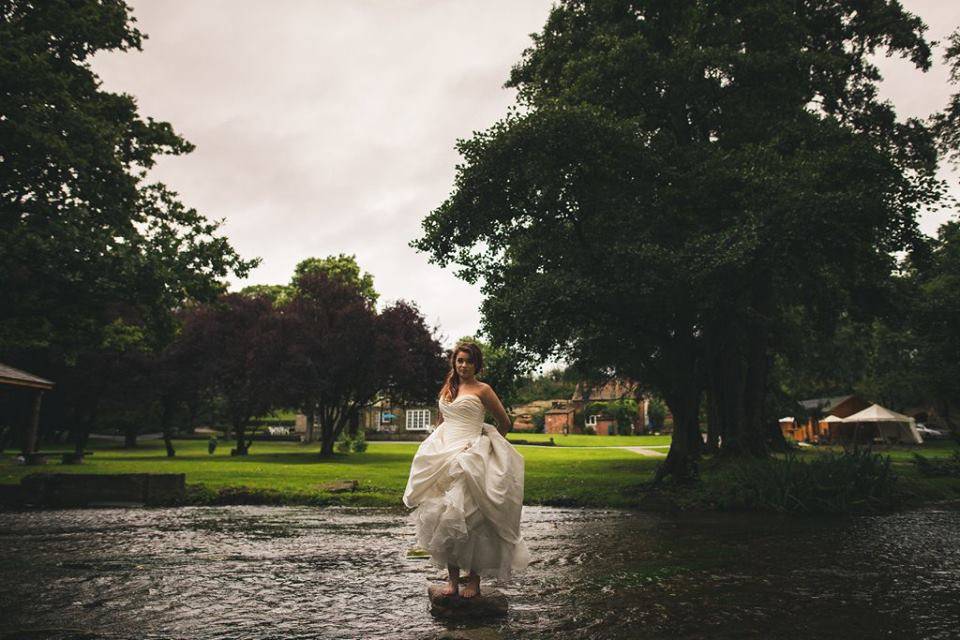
pixel 483 633
pixel 487 603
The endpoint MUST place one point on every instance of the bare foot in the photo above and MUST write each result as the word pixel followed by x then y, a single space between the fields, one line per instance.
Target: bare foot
pixel 450 589
pixel 472 588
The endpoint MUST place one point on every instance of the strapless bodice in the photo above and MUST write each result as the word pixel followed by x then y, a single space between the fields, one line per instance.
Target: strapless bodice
pixel 465 411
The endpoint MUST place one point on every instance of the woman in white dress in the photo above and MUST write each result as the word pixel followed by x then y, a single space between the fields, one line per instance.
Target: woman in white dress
pixel 466 481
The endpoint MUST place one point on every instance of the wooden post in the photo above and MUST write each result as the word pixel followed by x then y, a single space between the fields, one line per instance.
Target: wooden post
pixel 30 446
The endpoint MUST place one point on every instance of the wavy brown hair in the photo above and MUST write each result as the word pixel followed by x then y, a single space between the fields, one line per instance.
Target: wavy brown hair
pixel 451 386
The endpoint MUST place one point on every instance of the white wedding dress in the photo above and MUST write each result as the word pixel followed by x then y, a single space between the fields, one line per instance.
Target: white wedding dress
pixel 466 481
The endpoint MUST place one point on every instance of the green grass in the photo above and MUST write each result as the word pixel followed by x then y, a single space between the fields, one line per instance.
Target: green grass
pixel 592 441
pixel 282 472
pixel 291 473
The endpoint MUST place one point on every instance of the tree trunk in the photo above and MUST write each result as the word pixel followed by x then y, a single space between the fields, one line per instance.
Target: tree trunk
pixel 682 386
pixel 84 429
pixel 30 445
pixel 311 435
pixel 354 427
pixel 713 424
pixel 756 436
pixel 166 412
pixel 683 458
pixel 239 431
pixel 130 433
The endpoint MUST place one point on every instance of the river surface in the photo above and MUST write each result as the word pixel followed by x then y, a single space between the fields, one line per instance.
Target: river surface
pixel 298 573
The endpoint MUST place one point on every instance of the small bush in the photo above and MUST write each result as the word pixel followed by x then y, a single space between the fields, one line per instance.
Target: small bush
pixel 346 444
pixel 946 468
pixel 831 483
pixel 359 444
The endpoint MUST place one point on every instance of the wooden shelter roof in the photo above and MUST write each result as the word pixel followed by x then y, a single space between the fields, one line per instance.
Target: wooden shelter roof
pixel 14 377
pixel 824 405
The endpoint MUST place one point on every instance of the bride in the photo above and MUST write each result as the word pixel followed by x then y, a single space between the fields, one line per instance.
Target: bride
pixel 466 481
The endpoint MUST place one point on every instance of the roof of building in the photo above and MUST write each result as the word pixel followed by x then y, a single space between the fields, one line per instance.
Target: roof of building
pixel 17 378
pixel 614 389
pixel 824 405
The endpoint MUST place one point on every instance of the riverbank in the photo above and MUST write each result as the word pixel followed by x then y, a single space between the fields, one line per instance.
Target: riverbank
pixel 569 474
pixel 289 473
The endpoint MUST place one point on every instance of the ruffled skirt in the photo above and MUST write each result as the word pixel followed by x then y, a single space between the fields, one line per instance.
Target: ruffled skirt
pixel 469 492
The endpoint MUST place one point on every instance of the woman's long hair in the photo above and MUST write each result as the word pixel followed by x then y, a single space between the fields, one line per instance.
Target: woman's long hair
pixel 451 386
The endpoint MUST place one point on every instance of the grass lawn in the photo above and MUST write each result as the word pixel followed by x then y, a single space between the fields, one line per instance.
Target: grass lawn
pixel 291 473
pixel 592 441
pixel 284 472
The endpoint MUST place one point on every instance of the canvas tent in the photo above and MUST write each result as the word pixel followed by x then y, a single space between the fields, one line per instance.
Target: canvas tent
pixel 889 425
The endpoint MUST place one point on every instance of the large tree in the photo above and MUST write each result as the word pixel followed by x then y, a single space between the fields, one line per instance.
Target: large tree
pixel 237 344
pixel 341 354
pixel 679 175
pixel 86 238
pixel 935 320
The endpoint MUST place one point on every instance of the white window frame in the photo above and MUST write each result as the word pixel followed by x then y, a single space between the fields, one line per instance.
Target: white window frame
pixel 418 420
pixel 387 421
pixel 592 420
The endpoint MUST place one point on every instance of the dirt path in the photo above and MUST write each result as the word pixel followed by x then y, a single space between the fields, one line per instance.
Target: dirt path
pixel 645 451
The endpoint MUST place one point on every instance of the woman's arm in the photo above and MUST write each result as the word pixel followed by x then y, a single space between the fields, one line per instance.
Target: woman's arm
pixel 492 404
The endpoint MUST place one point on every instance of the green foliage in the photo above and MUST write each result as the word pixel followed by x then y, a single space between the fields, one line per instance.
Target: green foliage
pixel 82 232
pixel 359 442
pixel 657 413
pixel 355 444
pixel 947 122
pixel 558 383
pixel 938 467
pixel 690 149
pixel 830 483
pixel 623 411
pixel 539 421
pixel 341 267
pixel 278 293
pixel 935 319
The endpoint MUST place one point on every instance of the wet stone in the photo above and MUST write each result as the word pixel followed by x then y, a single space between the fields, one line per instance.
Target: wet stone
pixel 482 633
pixel 488 603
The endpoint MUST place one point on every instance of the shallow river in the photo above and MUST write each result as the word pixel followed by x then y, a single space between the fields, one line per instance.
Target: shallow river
pixel 269 572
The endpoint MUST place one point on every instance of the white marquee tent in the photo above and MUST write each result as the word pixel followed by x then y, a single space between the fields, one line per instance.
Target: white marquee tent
pixel 890 425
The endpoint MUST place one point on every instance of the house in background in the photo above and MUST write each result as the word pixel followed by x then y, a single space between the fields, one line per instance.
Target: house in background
pixel 559 419
pixel 384 417
pixel 523 415
pixel 390 416
pixel 612 390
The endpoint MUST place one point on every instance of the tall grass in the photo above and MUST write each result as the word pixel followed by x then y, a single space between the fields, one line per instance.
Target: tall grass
pixel 832 483
pixel 934 468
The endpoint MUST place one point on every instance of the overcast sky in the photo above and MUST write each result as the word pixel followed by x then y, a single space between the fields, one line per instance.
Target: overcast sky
pixel 327 127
